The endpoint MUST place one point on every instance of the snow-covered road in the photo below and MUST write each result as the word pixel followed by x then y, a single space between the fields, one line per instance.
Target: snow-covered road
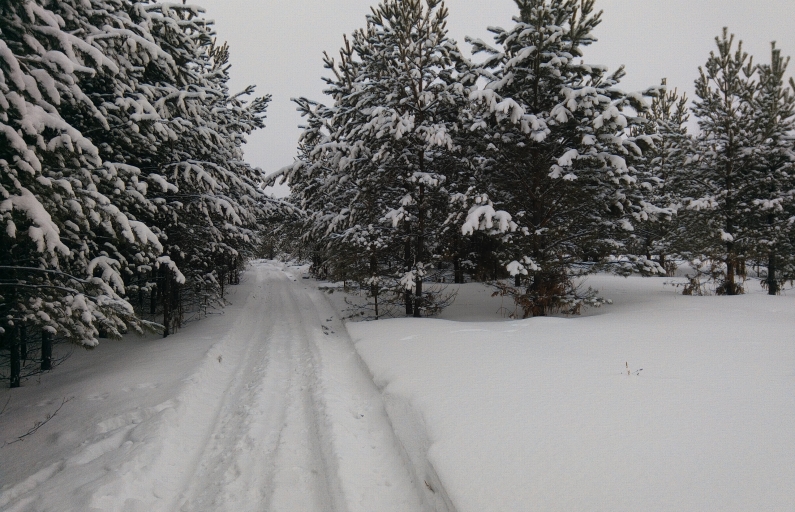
pixel 265 450
pixel 280 414
pixel 269 407
pixel 300 425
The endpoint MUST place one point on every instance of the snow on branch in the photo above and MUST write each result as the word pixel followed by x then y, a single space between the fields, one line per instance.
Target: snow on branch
pixel 44 233
pixel 521 268
pixel 485 218
pixel 109 272
pixel 167 262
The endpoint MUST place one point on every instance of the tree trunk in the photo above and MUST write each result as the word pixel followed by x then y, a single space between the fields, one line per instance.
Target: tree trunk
pixel 46 351
pixel 222 280
pixel 418 297
pixel 517 280
pixel 772 283
pixel 153 299
pixel 23 342
pixel 166 296
pixel 540 290
pixel 177 304
pixel 140 294
pixel 730 286
pixel 408 263
pixel 16 367
pixel 419 250
pixel 374 290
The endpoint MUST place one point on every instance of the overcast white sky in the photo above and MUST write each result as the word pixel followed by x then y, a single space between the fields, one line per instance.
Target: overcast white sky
pixel 277 45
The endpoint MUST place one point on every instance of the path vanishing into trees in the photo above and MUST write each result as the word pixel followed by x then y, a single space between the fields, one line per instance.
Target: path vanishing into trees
pixel 279 414
pixel 300 425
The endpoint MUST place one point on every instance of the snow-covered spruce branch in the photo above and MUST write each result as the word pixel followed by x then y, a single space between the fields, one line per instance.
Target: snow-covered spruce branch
pixel 45 271
pixel 45 287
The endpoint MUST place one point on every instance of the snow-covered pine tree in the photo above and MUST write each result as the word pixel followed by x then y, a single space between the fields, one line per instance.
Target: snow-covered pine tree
pixel 204 186
pixel 59 271
pixel 342 231
pixel 417 107
pixel 721 189
pixel 388 148
pixel 319 184
pixel 53 62
pixel 555 131
pixel 95 101
pixel 130 130
pixel 774 162
pixel 661 171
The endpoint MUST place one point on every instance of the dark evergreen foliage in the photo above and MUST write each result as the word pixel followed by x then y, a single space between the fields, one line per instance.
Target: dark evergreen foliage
pixel 122 178
pixel 740 191
pixel 378 167
pixel 559 142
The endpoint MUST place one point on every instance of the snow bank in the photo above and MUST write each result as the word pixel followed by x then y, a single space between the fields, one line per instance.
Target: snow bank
pixel 126 437
pixel 541 414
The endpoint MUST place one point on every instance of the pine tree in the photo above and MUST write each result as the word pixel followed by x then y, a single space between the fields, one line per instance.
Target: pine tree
pixel 60 270
pixel 200 183
pixel 386 149
pixel 132 129
pixel 722 187
pixel 661 173
pixel 120 143
pixel 555 133
pixel 774 163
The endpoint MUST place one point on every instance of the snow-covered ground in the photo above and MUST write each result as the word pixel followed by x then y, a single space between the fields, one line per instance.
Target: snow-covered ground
pixel 269 407
pixel 540 414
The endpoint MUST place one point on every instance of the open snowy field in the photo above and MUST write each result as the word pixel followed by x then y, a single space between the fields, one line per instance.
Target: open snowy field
pixel 540 414
pixel 269 407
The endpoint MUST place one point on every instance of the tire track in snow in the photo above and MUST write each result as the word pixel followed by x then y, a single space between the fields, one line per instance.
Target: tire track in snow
pixel 375 471
pixel 266 453
pixel 302 427
pixel 280 415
